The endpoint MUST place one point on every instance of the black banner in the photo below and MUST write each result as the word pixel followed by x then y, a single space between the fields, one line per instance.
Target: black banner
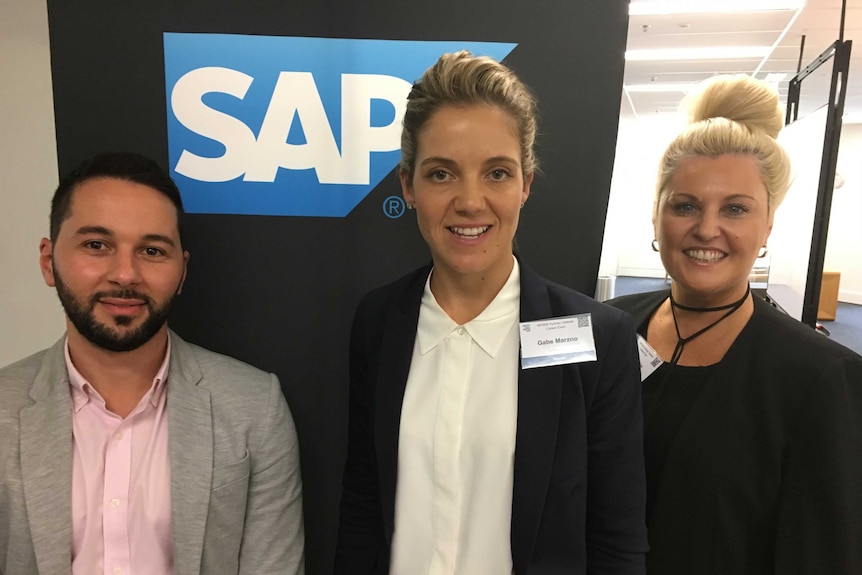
pixel 279 291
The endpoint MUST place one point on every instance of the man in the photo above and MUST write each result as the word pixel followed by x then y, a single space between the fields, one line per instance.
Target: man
pixel 124 449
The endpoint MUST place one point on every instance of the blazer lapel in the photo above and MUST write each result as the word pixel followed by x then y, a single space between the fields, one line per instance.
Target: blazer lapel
pixel 539 399
pixel 190 439
pixel 46 463
pixel 396 353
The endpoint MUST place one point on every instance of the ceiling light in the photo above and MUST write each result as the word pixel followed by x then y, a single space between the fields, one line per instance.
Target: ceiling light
pixel 710 53
pixel 661 7
pixel 664 87
pixel 775 77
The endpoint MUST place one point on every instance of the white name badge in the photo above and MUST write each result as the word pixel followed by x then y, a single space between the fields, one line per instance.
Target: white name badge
pixel 649 359
pixel 557 341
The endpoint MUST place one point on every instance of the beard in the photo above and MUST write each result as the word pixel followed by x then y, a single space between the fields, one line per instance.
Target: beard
pixel 105 336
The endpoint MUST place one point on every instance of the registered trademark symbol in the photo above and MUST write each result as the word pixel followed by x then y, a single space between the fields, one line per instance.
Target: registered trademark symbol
pixel 393 207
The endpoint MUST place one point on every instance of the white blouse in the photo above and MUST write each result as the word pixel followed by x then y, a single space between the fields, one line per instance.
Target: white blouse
pixel 456 448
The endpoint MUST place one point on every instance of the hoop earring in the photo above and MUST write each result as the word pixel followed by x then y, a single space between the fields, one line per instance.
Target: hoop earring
pixel 654 245
pixel 763 251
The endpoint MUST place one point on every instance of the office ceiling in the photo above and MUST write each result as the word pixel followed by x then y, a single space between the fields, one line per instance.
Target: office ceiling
pixel 781 31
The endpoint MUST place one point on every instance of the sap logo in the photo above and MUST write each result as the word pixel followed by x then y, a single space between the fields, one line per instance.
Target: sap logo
pixel 289 126
pixel 294 99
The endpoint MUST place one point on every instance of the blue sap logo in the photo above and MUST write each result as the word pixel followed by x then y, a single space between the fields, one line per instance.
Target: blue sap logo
pixel 289 126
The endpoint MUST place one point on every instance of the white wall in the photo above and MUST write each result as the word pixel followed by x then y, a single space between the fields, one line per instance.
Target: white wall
pixel 790 241
pixel 844 246
pixel 626 247
pixel 30 315
pixel 628 228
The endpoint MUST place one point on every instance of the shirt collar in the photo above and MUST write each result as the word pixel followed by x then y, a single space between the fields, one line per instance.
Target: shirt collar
pixel 82 391
pixel 488 329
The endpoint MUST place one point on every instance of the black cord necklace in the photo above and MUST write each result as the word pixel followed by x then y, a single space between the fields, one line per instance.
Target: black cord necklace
pixel 681 341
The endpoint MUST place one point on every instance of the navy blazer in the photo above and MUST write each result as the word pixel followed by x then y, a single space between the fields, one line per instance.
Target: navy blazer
pixel 579 489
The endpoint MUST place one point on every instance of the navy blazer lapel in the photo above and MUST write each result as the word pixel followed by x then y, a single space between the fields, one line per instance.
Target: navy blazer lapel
pixel 539 400
pixel 396 352
pixel 46 463
pixel 190 440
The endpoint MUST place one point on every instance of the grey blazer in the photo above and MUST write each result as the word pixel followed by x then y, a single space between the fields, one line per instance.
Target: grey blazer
pixel 236 492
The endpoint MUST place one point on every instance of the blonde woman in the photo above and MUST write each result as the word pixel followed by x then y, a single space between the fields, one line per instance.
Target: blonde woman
pixel 753 423
pixel 460 460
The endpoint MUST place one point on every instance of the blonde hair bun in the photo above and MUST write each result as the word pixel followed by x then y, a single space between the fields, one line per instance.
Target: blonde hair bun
pixel 740 98
pixel 731 115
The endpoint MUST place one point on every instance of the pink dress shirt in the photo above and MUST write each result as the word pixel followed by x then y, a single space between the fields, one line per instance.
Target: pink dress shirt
pixel 121 482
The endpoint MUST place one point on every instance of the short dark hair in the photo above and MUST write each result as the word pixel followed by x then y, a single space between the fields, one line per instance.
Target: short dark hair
pixel 126 166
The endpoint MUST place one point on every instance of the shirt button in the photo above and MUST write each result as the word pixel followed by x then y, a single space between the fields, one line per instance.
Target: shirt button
pixel 118 436
pixel 460 331
pixel 115 502
pixel 118 570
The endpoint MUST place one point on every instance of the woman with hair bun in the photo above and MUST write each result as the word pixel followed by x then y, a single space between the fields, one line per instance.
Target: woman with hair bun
pixel 463 458
pixel 753 422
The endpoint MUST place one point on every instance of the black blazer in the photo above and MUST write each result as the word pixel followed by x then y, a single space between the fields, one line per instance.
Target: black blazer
pixel 765 472
pixel 579 487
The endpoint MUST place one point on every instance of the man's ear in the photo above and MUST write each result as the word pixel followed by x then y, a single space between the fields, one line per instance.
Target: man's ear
pixel 185 271
pixel 46 261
